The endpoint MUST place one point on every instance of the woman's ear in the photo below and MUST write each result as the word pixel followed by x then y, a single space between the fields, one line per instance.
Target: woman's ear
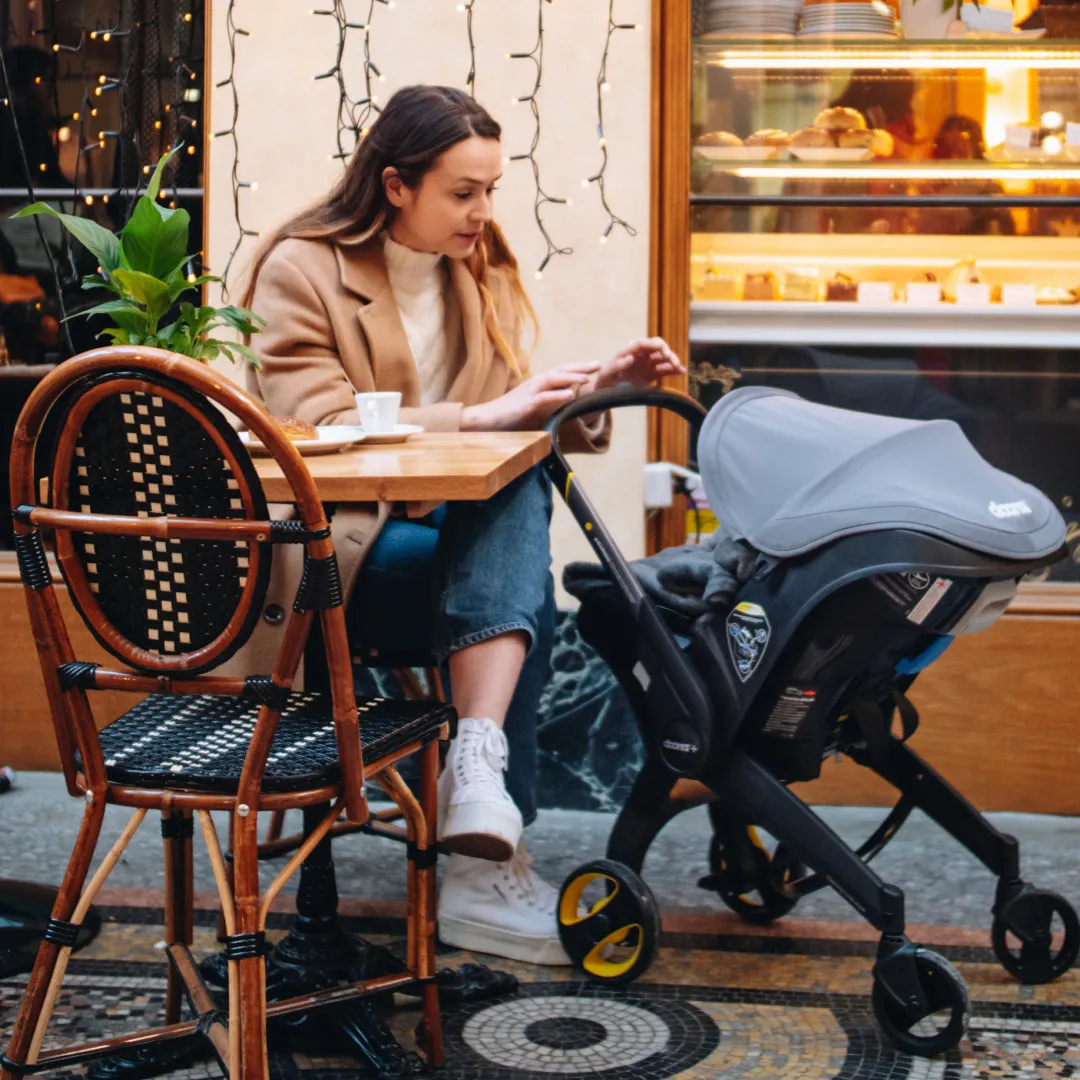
pixel 393 186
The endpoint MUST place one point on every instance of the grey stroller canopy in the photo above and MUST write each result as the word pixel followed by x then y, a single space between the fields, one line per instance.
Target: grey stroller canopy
pixel 787 476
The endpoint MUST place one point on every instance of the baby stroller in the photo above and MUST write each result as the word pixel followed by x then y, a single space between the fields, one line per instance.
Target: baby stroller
pixel 859 547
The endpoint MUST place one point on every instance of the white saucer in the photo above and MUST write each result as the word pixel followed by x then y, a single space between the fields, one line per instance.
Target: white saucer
pixel 331 440
pixel 398 435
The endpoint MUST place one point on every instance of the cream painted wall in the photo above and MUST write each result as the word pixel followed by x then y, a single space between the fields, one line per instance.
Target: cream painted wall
pixel 589 303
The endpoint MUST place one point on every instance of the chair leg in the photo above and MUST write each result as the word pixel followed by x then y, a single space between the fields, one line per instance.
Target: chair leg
pixel 42 977
pixel 176 831
pixel 426 888
pixel 277 823
pixel 250 972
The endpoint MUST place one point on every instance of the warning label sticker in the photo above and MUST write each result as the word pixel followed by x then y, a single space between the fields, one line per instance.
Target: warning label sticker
pixel 915 593
pixel 789 712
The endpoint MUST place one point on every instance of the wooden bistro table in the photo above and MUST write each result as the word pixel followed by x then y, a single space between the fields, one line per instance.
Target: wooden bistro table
pixel 429 468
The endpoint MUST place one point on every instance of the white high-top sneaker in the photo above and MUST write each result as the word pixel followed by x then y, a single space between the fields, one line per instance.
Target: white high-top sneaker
pixel 500 908
pixel 477 817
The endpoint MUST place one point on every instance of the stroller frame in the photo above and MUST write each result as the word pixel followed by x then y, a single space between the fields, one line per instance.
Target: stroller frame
pixel 910 983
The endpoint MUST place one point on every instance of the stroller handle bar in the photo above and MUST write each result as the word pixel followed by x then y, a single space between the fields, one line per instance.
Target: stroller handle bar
pixel 678 698
pixel 562 476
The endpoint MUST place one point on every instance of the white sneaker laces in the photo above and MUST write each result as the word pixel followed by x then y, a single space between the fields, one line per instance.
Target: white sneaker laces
pixel 482 754
pixel 534 890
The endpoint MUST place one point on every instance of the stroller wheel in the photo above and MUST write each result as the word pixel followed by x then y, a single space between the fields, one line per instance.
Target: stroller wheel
pixel 1037 936
pixel 943 1023
pixel 609 923
pixel 757 898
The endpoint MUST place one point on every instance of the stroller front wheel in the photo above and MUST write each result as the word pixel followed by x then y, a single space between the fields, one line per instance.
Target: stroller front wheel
pixel 944 1021
pixel 609 923
pixel 1036 937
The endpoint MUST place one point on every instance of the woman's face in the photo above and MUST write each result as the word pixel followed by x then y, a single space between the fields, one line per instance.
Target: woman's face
pixel 453 202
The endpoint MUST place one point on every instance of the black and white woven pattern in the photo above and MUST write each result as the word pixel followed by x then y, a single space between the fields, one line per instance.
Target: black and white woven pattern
pixel 142 455
pixel 200 742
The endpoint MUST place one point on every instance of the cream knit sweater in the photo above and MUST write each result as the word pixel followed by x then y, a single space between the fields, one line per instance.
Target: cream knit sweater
pixel 430 314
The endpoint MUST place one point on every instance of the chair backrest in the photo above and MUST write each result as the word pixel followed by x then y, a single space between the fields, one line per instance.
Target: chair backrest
pixel 133 444
pixel 163 536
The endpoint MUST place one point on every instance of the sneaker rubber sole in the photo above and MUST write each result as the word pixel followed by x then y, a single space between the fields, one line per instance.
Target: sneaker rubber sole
pixel 482 831
pixel 480 937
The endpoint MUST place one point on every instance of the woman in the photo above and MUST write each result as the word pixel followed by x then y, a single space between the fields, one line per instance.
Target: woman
pixel 401 280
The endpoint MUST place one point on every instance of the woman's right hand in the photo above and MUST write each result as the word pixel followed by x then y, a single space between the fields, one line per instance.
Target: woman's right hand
pixel 528 406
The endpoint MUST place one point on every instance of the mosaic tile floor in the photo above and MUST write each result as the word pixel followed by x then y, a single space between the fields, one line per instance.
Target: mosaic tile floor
pixel 720 1001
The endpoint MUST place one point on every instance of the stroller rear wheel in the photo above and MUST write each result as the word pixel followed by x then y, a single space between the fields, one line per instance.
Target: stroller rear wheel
pixel 943 1019
pixel 750 879
pixel 1037 936
pixel 609 923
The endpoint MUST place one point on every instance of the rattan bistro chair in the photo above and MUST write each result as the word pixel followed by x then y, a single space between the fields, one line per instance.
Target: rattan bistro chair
pixel 164 540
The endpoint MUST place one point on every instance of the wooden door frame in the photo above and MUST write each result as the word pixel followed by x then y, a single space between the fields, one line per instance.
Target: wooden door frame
pixel 669 277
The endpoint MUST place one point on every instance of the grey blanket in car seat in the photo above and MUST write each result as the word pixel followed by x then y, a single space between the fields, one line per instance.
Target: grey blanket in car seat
pixel 692 579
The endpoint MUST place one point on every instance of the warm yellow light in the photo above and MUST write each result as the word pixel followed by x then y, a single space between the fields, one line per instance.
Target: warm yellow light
pixel 64 134
pixel 841 58
pixel 877 172
pixel 89 200
pixel 74 116
pixel 1052 144
pixel 1052 119
pixel 191 149
pixel 191 278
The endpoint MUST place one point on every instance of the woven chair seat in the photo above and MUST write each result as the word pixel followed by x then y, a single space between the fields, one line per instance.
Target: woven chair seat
pixel 200 742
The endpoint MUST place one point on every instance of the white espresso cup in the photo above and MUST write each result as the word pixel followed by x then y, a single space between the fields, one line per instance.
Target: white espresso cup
pixel 378 410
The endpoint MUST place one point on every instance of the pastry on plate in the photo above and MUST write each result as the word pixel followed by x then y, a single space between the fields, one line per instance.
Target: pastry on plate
pixel 815 138
pixel 760 286
pixel 719 287
pixel 801 284
pixel 840 118
pixel 296 430
pixel 719 138
pixel 963 273
pixel 855 139
pixel 769 137
pixel 881 143
pixel 841 287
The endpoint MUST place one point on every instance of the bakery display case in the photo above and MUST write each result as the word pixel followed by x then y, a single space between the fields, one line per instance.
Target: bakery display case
pixel 883 214
pixel 894 226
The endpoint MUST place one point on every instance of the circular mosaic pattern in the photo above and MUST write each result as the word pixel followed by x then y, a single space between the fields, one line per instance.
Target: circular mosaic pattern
pixel 583 1031
pixel 566 1032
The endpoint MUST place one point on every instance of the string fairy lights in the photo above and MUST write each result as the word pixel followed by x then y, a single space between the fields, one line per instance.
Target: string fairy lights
pixel 536 55
pixel 111 63
pixel 602 87
pixel 242 232
pixel 354 114
pixel 467 9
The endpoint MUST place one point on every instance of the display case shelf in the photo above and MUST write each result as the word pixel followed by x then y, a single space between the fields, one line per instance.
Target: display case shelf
pixel 959 54
pixel 787 322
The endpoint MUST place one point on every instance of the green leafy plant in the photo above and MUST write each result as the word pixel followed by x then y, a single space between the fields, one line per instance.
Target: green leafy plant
pixel 143 266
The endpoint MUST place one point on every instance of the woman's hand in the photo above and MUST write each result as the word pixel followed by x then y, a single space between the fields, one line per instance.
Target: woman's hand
pixel 640 364
pixel 528 406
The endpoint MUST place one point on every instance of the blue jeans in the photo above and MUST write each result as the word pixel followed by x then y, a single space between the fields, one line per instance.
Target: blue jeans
pixel 469 572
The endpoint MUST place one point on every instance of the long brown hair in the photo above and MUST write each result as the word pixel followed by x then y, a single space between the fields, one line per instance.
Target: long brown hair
pixel 417 125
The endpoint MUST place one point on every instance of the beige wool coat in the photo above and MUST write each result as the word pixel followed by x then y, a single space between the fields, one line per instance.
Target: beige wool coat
pixel 333 329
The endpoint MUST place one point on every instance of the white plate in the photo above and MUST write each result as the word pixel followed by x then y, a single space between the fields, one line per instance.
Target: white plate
pixel 831 153
pixel 738 153
pixel 331 440
pixel 399 434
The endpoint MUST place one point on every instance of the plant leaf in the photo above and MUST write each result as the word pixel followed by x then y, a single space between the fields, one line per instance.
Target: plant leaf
pixel 247 322
pixel 101 243
pixel 121 337
pixel 152 245
pixel 154 186
pixel 150 291
pixel 122 311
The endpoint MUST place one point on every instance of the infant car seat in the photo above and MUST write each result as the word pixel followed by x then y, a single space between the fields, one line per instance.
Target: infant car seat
pixel 873 542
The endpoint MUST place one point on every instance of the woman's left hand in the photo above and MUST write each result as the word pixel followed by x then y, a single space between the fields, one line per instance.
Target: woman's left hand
pixel 640 364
